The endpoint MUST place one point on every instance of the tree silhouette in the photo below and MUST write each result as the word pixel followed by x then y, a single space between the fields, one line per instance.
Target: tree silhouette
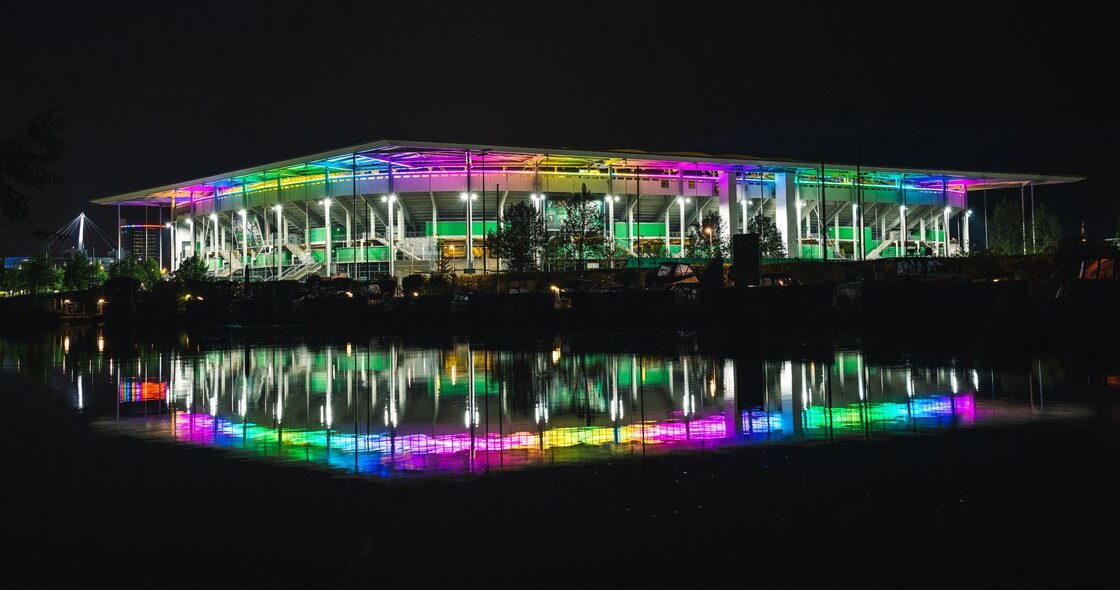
pixel 27 162
pixel 1006 230
pixel 771 243
pixel 80 273
pixel 699 245
pixel 520 239
pixel 38 274
pixel 581 232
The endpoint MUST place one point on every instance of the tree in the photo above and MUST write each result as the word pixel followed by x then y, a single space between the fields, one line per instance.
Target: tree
pixel 80 273
pixel 444 266
pixel 40 274
pixel 27 162
pixel 771 243
pixel 1006 229
pixel 581 232
pixel 1047 230
pixel 145 272
pixel 699 245
pixel 191 271
pixel 521 238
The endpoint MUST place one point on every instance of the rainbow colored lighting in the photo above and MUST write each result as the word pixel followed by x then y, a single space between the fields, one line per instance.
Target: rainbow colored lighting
pixel 136 390
pixel 383 453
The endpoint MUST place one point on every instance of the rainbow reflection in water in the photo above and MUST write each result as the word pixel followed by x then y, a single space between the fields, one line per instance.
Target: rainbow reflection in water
pixel 386 453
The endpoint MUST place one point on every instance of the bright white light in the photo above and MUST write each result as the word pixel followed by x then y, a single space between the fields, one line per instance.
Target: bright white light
pixel 277 207
pixel 902 207
pixel 243 212
pixel 167 225
pixel 533 196
pixel 968 213
pixel 213 217
pixel 474 196
pixel 948 209
pixel 326 203
pixel 384 199
pixel 462 196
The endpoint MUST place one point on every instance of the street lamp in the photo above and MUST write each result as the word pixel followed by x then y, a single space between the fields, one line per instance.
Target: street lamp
pixel 245 241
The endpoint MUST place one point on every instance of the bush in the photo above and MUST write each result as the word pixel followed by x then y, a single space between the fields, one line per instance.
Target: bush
pixel 413 283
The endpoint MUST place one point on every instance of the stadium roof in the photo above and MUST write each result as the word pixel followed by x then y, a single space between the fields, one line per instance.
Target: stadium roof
pixel 440 156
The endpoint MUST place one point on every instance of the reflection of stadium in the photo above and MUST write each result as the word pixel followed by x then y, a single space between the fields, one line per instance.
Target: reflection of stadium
pixel 428 409
pixel 390 205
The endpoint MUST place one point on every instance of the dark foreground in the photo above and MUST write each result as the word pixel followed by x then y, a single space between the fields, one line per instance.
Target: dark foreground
pixel 1026 503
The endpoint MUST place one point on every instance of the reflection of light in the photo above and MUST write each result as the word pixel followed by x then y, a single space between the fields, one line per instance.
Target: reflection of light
pixel 555 355
pixel 349 351
pixel 953 381
pixel 66 344
pixel 100 344
pixel 975 381
pixel 712 386
pixel 81 400
pixel 453 373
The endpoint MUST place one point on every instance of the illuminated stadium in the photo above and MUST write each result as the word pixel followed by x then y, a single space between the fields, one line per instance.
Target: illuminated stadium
pixel 394 207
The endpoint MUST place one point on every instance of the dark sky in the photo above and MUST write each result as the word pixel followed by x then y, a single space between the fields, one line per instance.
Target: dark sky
pixel 158 94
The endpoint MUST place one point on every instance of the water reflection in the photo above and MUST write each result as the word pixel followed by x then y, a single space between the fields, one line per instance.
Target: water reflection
pixel 384 409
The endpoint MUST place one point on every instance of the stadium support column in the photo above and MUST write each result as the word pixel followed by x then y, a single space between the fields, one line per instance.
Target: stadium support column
pixel 278 251
pixel 728 188
pixel 630 227
pixel 966 248
pixel 470 219
pixel 785 197
pixel 328 234
pixel 680 205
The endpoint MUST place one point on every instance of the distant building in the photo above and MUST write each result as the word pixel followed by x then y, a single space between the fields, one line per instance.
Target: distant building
pixel 142 240
pixel 11 262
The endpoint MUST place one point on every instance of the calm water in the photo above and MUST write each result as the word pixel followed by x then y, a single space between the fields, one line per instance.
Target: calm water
pixel 388 409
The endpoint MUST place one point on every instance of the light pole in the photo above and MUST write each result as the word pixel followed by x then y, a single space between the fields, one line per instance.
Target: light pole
pixel 278 250
pixel 329 235
pixel 469 198
pixel 389 199
pixel 245 242
pixel 708 230
pixel 213 234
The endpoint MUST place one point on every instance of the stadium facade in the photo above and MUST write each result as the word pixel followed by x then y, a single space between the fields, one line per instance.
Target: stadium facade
pixel 394 207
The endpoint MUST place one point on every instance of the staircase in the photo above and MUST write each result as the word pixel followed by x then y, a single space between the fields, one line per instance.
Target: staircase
pixel 233 264
pixel 891 240
pixel 258 237
pixel 303 264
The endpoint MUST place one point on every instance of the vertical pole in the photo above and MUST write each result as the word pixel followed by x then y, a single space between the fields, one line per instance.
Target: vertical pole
pixel 470 218
pixel 902 217
pixel 681 199
pixel 329 235
pixel 390 225
pixel 484 257
pixel 1023 216
pixel 1034 241
pixel 945 213
pixel 245 243
pixel 986 244
pixel 822 210
pixel 279 251
pixel 118 231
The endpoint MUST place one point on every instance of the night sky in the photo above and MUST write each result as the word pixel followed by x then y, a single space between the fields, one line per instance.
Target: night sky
pixel 160 94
